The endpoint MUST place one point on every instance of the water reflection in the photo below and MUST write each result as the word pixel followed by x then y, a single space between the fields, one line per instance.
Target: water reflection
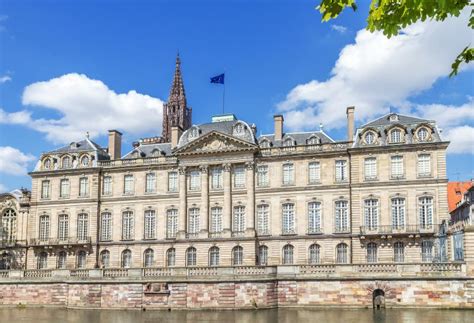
pixel 323 315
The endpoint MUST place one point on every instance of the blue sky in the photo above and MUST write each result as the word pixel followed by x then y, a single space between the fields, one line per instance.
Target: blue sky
pixel 67 67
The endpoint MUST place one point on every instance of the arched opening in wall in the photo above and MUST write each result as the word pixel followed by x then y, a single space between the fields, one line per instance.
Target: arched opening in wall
pixel 378 299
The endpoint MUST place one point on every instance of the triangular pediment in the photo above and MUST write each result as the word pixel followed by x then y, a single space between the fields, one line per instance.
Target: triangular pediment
pixel 215 142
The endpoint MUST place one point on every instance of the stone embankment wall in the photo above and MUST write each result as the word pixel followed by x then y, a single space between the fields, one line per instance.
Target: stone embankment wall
pixel 452 293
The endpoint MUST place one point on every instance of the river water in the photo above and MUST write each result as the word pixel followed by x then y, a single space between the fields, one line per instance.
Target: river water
pixel 323 315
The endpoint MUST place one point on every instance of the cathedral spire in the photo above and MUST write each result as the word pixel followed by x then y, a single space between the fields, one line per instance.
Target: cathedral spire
pixel 177 87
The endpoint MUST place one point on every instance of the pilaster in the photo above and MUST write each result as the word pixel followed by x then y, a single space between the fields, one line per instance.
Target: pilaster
pixel 182 204
pixel 227 209
pixel 204 201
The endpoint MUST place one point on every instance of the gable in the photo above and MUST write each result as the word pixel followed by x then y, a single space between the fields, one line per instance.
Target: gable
pixel 215 142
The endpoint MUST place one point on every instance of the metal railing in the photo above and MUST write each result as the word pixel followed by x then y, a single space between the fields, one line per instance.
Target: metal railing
pixel 397 229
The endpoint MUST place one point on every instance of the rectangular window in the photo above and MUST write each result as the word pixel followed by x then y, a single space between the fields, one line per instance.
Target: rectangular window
pixel 314 172
pixel 397 166
pixel 424 165
pixel 288 219
pixel 107 187
pixel 44 227
pixel 262 175
pixel 216 178
pixel 239 219
pixel 216 219
pixel 193 225
pixel 127 225
pixel 106 227
pixel 398 213
pixel 150 186
pixel 82 227
pixel 426 212
pixel 172 181
pixel 150 224
pixel 83 186
pixel 262 219
pixel 314 217
pixel 171 223
pixel 370 167
pixel 427 251
pixel 239 176
pixel 64 188
pixel 342 223
pixel 45 189
pixel 288 174
pixel 128 184
pixel 371 214
pixel 63 227
pixel 194 180
pixel 341 170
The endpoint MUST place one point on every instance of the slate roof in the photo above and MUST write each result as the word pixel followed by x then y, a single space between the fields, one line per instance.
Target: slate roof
pixel 146 150
pixel 299 137
pixel 85 145
pixel 402 119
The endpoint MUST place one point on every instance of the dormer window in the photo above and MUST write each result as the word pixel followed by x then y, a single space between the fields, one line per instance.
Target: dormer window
pixel 193 133
pixel 369 138
pixel 395 136
pixel 313 141
pixel 85 161
pixel 239 129
pixel 265 144
pixel 288 142
pixel 423 134
pixel 66 163
pixel 135 154
pixel 47 163
pixel 393 117
pixel 155 153
pixel 73 145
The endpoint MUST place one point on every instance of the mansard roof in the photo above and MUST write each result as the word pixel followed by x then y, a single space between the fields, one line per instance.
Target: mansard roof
pixel 299 137
pixel 402 119
pixel 147 150
pixel 85 145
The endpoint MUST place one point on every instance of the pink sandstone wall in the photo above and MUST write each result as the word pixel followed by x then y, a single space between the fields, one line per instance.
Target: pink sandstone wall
pixel 441 293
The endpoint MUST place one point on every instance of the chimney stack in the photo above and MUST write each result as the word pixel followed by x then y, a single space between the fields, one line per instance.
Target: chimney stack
pixel 115 144
pixel 175 134
pixel 278 121
pixel 350 123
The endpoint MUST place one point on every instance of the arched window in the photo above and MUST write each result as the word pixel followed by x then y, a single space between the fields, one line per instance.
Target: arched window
pixel 288 254
pixel 371 252
pixel 214 256
pixel 156 153
pixel 398 252
pixel 66 162
pixel 62 256
pixel 237 255
pixel 9 226
pixel 81 259
pixel 313 140
pixel 42 260
pixel 191 255
pixel 85 161
pixel 44 227
pixel 395 136
pixel 423 134
pixel 105 258
pixel 126 258
pixel 171 257
pixel 262 255
pixel 371 214
pixel 289 142
pixel 341 253
pixel 369 138
pixel 239 129
pixel 193 133
pixel 47 163
pixel 148 256
pixel 264 143
pixel 314 254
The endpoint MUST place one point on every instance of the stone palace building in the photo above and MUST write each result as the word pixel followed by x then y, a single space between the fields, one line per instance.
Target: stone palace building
pixel 218 195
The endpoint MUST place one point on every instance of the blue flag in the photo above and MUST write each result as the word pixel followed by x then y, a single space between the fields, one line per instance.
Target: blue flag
pixel 218 79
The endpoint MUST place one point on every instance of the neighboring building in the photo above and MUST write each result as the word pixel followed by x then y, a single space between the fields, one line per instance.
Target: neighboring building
pixel 462 220
pixel 216 194
pixel 456 191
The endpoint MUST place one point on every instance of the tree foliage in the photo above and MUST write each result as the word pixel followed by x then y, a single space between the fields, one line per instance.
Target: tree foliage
pixel 390 16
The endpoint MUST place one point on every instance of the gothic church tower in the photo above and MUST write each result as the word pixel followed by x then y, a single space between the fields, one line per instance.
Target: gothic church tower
pixel 176 113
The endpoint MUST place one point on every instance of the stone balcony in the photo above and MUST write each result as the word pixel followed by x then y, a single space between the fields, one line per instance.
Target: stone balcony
pixel 389 231
pixel 243 273
pixel 138 161
pixel 70 241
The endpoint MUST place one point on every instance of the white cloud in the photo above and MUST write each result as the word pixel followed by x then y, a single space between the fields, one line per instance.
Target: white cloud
pixel 5 78
pixel 86 105
pixel 13 161
pixel 340 29
pixel 375 73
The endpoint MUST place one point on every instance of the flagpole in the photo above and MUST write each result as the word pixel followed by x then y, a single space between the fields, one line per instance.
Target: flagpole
pixel 223 99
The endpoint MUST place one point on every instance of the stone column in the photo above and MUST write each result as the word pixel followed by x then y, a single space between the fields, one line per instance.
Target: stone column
pixel 204 201
pixel 227 209
pixel 182 204
pixel 250 212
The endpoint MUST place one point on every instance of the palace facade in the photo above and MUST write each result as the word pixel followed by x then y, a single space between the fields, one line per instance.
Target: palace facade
pixel 219 195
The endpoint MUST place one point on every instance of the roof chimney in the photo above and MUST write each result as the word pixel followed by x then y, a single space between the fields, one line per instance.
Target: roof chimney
pixel 115 144
pixel 350 123
pixel 278 121
pixel 175 134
